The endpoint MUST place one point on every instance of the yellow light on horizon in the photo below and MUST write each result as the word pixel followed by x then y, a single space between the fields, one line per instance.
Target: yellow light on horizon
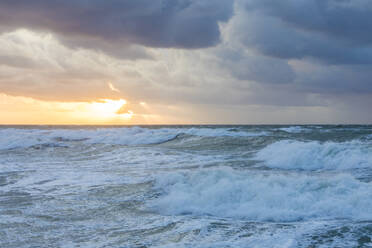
pixel 106 110
pixel 25 110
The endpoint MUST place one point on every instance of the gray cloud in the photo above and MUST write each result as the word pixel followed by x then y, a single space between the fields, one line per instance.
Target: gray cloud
pixel 153 23
pixel 278 61
pixel 294 52
pixel 328 31
pixel 256 68
pixel 345 19
pixel 342 80
pixel 18 62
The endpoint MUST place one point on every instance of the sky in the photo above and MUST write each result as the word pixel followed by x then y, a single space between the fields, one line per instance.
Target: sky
pixel 185 62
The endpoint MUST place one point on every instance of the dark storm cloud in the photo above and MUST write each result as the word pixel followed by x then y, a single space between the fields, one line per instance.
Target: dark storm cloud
pixel 300 52
pixel 153 23
pixel 346 19
pixel 330 31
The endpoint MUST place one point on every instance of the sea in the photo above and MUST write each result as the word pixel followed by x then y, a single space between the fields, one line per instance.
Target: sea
pixel 186 186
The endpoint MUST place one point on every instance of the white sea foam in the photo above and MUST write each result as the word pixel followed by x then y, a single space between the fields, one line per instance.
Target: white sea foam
pixel 258 197
pixel 294 129
pixel 221 132
pixel 289 154
pixel 20 138
pixel 15 138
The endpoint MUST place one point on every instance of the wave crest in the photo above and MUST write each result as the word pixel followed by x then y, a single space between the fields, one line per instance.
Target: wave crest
pixel 314 155
pixel 273 197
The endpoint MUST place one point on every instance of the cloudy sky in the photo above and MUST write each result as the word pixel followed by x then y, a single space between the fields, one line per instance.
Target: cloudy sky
pixel 185 61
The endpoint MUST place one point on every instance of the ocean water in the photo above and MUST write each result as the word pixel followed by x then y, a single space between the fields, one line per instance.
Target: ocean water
pixel 186 186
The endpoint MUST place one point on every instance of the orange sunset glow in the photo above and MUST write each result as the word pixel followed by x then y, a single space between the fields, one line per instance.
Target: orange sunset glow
pixel 104 111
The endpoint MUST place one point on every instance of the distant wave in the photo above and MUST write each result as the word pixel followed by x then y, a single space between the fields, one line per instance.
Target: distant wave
pixel 259 197
pixel 22 138
pixel 290 154
pixel 11 138
pixel 295 129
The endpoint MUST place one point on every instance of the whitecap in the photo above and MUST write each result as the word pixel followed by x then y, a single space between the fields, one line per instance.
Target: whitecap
pixel 259 197
pixel 314 155
pixel 294 129
pixel 22 138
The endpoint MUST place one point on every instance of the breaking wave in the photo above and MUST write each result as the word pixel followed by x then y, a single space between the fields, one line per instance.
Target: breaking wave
pixel 314 155
pixel 295 129
pixel 259 197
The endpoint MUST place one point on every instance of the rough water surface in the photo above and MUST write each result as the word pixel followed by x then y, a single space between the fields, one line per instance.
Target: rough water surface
pixel 186 186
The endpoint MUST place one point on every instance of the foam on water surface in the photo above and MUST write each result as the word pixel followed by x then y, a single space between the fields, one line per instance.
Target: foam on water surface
pixel 295 129
pixel 314 155
pixel 198 186
pixel 22 138
pixel 264 197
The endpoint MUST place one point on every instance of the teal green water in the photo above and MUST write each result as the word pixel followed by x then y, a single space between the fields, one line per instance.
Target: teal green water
pixel 186 186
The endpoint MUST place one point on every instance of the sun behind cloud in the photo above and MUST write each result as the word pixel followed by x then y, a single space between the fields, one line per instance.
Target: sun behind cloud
pixel 104 111
pixel 107 108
